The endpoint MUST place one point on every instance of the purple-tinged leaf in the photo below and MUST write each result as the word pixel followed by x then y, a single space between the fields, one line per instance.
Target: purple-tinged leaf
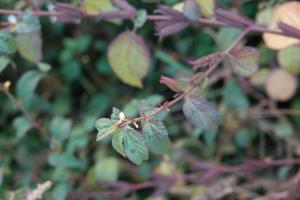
pixel 191 10
pixel 244 61
pixel 67 13
pixel 200 112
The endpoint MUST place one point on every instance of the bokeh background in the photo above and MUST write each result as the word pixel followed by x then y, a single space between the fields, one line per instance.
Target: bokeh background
pixel 77 86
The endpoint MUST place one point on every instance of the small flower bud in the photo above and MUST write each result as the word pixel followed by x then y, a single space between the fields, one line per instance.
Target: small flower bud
pixel 170 83
pixel 122 116
pixel 7 85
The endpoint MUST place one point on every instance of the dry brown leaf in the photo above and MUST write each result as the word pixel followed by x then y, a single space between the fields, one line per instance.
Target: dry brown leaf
pixel 281 85
pixel 288 13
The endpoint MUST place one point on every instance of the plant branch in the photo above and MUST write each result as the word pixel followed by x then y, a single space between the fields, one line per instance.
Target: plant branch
pixel 18 104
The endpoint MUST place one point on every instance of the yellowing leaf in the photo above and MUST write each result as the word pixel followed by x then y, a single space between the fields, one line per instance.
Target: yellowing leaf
pixel 281 85
pixel 206 7
pixel 129 58
pixel 97 6
pixel 288 13
pixel 244 61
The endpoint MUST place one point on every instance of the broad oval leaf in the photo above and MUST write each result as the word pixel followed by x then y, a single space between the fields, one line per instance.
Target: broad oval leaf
pixel 129 58
pixel 29 46
pixel 156 136
pixel 154 131
pixel 28 39
pixel 105 127
pixel 244 61
pixel 7 43
pixel 134 145
pixel 200 112
pixel 289 14
pixel 26 86
pixel 289 59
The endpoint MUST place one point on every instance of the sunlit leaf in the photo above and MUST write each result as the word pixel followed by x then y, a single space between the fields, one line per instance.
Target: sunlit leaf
pixel 129 58
pixel 206 7
pixel 7 43
pixel 289 59
pixel 26 86
pixel 244 61
pixel 234 97
pixel 200 112
pixel 92 6
pixel 281 85
pixel 105 128
pixel 135 146
pixel 287 13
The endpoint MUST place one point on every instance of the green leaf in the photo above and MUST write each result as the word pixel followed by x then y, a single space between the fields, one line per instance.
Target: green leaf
pixel 117 142
pixel 105 128
pixel 107 169
pixel 140 18
pixel 156 136
pixel 28 39
pixel 7 43
pixel 4 61
pixel 283 130
pixel 134 145
pixel 234 97
pixel 29 46
pixel 200 112
pixel 154 130
pixel 226 36
pixel 93 6
pixel 66 160
pixel 289 59
pixel 28 23
pixel 26 86
pixel 60 128
pixel 115 114
pixel 206 7
pixel 244 60
pixel 22 126
pixel 61 190
pixel 129 58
